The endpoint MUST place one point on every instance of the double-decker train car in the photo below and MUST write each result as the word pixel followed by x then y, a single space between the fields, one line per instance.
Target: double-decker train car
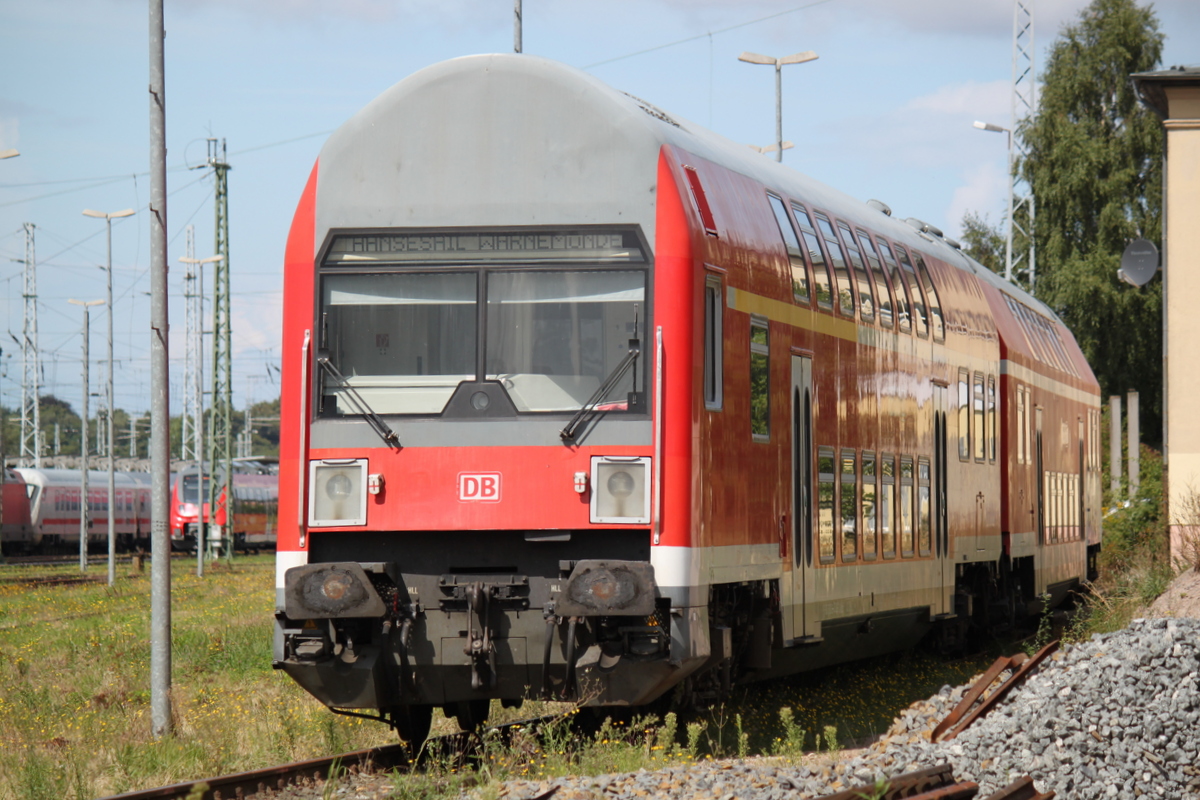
pixel 584 400
pixel 256 502
pixel 54 499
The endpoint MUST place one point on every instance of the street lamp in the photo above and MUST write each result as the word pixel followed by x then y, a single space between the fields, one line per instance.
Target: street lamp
pixel 771 148
pixel 1008 236
pixel 112 536
pixel 795 58
pixel 84 504
pixel 199 421
pixel 10 153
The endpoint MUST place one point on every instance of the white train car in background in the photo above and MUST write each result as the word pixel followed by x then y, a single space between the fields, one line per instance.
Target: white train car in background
pixel 55 498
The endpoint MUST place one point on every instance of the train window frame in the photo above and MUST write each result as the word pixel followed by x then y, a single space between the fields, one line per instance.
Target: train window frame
pixel 826 490
pixel 920 315
pixel 907 508
pixel 760 370
pixel 858 274
pixel 870 486
pixel 924 509
pixel 964 414
pixel 887 505
pixel 636 258
pixel 899 291
pixel 992 432
pixel 714 341
pixel 848 480
pixel 801 286
pixel 816 256
pixel 882 290
pixel 933 301
pixel 846 302
pixel 978 418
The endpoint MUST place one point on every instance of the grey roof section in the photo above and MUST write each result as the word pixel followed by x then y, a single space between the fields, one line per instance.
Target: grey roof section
pixel 511 140
pixel 1150 86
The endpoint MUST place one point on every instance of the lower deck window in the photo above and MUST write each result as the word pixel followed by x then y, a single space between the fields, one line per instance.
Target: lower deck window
pixel 826 483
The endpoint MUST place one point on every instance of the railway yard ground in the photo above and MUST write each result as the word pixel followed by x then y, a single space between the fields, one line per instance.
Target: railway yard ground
pixel 1112 716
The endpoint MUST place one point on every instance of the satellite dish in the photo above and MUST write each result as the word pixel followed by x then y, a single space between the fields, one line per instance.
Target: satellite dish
pixel 1139 262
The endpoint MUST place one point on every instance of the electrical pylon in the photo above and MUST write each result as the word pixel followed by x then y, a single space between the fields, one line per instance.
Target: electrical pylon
pixel 221 438
pixel 31 417
pixel 1021 254
pixel 189 447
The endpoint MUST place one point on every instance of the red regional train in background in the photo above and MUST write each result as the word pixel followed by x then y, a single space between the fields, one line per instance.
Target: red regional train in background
pixel 583 400
pixel 256 496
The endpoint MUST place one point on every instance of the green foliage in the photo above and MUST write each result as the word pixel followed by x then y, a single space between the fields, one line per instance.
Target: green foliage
pixel 1095 167
pixel 983 242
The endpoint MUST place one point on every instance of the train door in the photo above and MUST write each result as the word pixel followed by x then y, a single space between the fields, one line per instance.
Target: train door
pixel 1041 478
pixel 805 625
pixel 941 527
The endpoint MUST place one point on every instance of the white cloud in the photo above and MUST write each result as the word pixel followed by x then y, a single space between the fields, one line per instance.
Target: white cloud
pixel 985 187
pixel 987 101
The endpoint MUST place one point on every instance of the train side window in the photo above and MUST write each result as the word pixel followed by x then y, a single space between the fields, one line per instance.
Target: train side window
pixel 883 294
pixel 935 303
pixel 713 342
pixel 906 506
pixel 964 415
pixel 904 319
pixel 825 495
pixel 924 509
pixel 920 323
pixel 991 418
pixel 760 380
pixel 887 504
pixel 792 243
pixel 870 540
pixel 822 285
pixel 841 272
pixel 1022 413
pixel 849 505
pixel 866 304
pixel 978 419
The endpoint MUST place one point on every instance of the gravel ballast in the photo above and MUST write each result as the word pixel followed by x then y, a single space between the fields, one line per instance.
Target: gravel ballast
pixel 1115 716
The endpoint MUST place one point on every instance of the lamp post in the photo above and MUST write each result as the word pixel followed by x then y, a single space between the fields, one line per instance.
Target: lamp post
pixel 84 504
pixel 10 153
pixel 199 421
pixel 771 148
pixel 795 58
pixel 112 535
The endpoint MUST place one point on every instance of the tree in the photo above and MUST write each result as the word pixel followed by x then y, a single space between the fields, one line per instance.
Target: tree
pixel 982 242
pixel 1095 167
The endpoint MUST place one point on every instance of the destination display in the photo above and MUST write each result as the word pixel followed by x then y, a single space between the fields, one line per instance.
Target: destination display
pixel 381 248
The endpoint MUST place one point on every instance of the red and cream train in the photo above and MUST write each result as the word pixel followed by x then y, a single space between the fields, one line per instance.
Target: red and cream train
pixel 585 400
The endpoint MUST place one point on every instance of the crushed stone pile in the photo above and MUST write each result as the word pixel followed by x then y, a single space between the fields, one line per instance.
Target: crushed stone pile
pixel 1116 716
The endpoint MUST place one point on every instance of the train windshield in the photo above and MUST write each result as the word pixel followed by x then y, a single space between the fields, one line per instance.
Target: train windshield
pixel 553 337
pixel 191 490
pixel 400 340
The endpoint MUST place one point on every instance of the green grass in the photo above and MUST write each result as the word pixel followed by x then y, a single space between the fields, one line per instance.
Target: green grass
pixel 75 708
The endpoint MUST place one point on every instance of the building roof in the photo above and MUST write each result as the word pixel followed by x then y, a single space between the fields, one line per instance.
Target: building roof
pixel 1151 86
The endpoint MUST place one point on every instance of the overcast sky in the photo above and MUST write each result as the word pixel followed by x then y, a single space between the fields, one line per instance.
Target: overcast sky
pixel 885 112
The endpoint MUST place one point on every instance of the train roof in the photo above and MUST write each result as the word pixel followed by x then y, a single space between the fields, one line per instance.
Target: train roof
pixel 510 140
pixel 71 477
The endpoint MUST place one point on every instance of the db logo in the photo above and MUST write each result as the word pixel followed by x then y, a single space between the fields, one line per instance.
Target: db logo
pixel 479 487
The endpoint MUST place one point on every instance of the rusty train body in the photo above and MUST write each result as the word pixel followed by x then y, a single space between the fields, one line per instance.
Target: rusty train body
pixel 583 400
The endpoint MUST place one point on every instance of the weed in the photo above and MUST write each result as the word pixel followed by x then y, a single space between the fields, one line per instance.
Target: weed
pixel 694 731
pixel 743 738
pixel 830 737
pixel 792 741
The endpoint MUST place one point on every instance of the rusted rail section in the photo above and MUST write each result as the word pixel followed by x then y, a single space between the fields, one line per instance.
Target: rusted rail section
pixel 937 783
pixel 971 708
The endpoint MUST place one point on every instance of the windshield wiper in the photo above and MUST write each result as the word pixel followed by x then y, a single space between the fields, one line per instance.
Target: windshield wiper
pixel 584 413
pixel 360 406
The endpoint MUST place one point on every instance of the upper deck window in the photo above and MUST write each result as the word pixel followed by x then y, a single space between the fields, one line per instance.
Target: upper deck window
pixel 822 286
pixel 866 304
pixel 920 324
pixel 845 295
pixel 534 313
pixel 792 243
pixel 898 287
pixel 883 294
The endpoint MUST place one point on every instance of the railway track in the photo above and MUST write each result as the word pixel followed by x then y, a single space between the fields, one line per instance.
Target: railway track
pixel 938 783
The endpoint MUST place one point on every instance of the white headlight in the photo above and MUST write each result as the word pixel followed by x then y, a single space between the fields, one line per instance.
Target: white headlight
pixel 337 493
pixel 620 490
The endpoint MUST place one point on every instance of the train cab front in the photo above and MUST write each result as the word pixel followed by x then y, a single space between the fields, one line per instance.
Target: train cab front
pixel 479 475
